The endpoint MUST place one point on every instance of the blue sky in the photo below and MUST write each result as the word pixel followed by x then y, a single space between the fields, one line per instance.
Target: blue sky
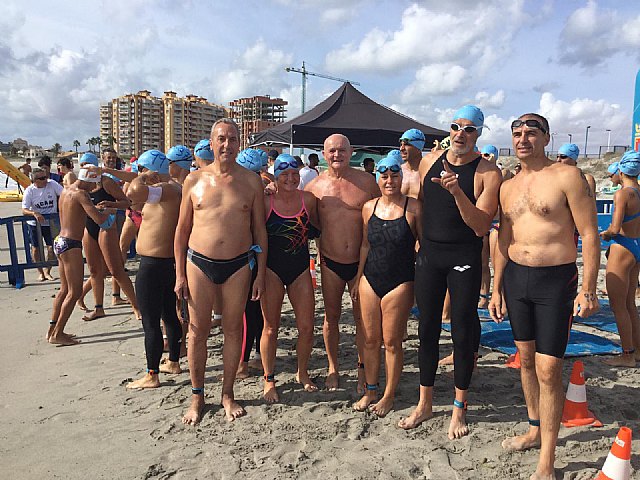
pixel 573 61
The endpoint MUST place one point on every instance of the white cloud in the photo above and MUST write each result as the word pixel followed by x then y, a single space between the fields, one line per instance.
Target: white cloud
pixel 434 79
pixel 486 100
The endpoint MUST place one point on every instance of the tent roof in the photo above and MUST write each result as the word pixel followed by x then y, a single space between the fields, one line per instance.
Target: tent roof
pixel 368 125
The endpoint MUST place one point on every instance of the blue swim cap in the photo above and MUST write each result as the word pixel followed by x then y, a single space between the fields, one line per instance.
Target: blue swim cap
pixel 283 162
pixel 396 154
pixel 203 150
pixel 181 156
pixel 250 159
pixel 630 163
pixel 134 166
pixel 155 161
pixel 414 137
pixel 390 162
pixel 89 158
pixel 613 168
pixel 471 113
pixel 264 157
pixel 491 150
pixel 571 150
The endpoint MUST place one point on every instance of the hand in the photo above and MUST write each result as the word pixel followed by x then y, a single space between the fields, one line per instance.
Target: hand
pixel 497 307
pixel 353 291
pixel 181 288
pixel 606 235
pixel 448 179
pixel 585 304
pixel 39 217
pixel 93 168
pixel 258 288
pixel 270 189
pixel 104 204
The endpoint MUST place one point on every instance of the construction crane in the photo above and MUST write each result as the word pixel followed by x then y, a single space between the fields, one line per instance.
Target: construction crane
pixel 304 72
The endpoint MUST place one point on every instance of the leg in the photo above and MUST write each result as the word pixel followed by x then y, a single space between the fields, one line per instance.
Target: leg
pixel 72 264
pixel 302 300
pixel 395 310
pixel 485 286
pixel 234 292
pixel 172 324
pixel 35 254
pixel 57 303
pixel 97 270
pixel 272 308
pixel 129 231
pixel 200 305
pixel 531 389
pixel 332 288
pixel 108 240
pixel 633 310
pixel 372 334
pixel 357 318
pixel 50 257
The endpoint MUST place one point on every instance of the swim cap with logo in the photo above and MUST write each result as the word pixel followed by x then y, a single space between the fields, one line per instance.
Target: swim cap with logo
pixel 203 150
pixel 630 163
pixel 181 156
pixel 613 168
pixel 471 113
pixel 89 158
pixel 414 137
pixel 396 154
pixel 571 150
pixel 283 162
pixel 251 159
pixel 155 161
pixel 390 162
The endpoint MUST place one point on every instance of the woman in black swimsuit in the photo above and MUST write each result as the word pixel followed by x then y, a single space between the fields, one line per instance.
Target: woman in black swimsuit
pixel 290 215
pixel 384 283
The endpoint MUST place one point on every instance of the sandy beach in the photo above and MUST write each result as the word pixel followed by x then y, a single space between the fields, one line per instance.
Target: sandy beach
pixel 66 413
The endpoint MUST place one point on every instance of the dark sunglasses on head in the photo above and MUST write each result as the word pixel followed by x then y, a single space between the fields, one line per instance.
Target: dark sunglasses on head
pixel 466 129
pixel 385 168
pixel 531 123
pixel 285 165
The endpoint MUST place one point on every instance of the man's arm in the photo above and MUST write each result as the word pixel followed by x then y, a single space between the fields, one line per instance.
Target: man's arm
pixel 583 209
pixel 121 174
pixel 497 309
pixel 113 189
pixel 90 209
pixel 364 249
pixel 259 234
pixel 181 238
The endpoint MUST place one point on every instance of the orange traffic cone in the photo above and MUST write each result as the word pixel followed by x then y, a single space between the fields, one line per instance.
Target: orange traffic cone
pixel 514 360
pixel 617 466
pixel 314 275
pixel 576 413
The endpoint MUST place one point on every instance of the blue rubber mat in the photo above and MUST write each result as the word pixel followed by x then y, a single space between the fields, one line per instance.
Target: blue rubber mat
pixel 603 320
pixel 498 336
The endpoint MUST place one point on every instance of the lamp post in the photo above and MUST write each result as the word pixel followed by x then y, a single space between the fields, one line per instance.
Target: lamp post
pixel 552 139
pixel 569 138
pixel 586 139
pixel 608 139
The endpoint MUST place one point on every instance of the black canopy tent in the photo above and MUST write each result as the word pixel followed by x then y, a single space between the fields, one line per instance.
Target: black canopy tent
pixel 368 125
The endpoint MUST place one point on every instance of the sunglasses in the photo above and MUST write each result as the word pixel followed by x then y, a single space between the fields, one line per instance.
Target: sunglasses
pixel 561 157
pixel 531 123
pixel 486 155
pixel 385 168
pixel 286 165
pixel 466 129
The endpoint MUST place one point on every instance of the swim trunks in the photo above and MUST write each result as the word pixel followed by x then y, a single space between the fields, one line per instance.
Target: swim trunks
pixel 62 244
pixel 391 258
pixel 219 271
pixel 540 304
pixel 346 271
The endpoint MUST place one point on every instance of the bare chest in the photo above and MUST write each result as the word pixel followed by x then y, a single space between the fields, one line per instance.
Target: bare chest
pixel 536 200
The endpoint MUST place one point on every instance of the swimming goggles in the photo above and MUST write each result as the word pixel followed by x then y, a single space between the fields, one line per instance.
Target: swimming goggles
pixel 531 123
pixel 466 128
pixel 286 165
pixel 385 168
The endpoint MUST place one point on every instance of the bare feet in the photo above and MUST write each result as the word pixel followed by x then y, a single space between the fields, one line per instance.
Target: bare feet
pixel 97 313
pixel 448 360
pixel 138 314
pixel 115 301
pixel 63 339
pixel 148 381
pixel 483 302
pixel 332 381
pixel 270 393
pixel 419 415
pixel 50 331
pixel 80 304
pixel 458 427
pixel 384 406
pixel 194 413
pixel 48 276
pixel 167 366
pixel 531 439
pixel 361 388
pixel 231 408
pixel 543 476
pixel 243 371
pixel 622 360
pixel 367 399
pixel 41 277
pixel 306 382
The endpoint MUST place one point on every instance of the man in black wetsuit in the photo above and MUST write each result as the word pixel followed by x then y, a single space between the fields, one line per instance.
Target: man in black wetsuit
pixel 459 198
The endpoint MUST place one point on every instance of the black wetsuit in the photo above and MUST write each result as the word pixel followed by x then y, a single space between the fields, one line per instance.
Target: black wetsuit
pixel 449 257
pixel 391 258
pixel 96 197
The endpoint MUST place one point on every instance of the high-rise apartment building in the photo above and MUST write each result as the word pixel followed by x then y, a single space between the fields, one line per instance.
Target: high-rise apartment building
pixel 257 113
pixel 139 122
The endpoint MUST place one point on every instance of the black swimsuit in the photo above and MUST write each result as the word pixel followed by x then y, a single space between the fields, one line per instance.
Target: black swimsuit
pixel 96 197
pixel 391 258
pixel 219 271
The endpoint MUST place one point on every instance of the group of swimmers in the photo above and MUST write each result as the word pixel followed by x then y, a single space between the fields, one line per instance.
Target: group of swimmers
pixel 228 234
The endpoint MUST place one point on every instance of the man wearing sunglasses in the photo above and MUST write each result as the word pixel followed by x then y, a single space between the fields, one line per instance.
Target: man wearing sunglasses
pixel 535 266
pixel 411 146
pixel 218 243
pixel 341 192
pixel 459 197
pixel 569 154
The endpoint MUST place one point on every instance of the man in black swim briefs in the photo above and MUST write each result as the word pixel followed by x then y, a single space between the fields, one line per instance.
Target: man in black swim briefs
pixel 341 192
pixel 535 266
pixel 219 237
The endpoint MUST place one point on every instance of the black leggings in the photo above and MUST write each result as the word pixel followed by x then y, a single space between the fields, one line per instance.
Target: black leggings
pixel 253 332
pixel 459 268
pixel 154 290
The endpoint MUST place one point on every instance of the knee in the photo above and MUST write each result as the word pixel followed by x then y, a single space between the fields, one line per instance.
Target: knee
pixel 305 329
pixel 527 362
pixel 372 340
pixel 270 328
pixel 547 376
pixel 393 344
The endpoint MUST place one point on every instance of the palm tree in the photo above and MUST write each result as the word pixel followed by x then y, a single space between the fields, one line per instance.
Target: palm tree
pixel 56 149
pixel 111 140
pixel 91 143
pixel 76 144
pixel 99 143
